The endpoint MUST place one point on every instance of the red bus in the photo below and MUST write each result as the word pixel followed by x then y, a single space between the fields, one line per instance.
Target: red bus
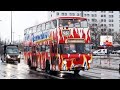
pixel 61 44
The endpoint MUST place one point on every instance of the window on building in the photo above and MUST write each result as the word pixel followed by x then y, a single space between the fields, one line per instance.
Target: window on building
pixel 78 14
pixel 65 14
pixel 104 15
pixel 102 30
pixel 62 14
pixel 57 13
pixel 109 20
pixel 104 20
pixel 104 24
pixel 112 25
pixel 73 14
pixel 101 15
pixel 109 25
pixel 84 15
pixel 88 15
pixel 110 30
pixel 110 11
pixel 95 15
pixel 109 16
pixel 101 24
pixel 92 15
pixel 70 14
pixel 101 20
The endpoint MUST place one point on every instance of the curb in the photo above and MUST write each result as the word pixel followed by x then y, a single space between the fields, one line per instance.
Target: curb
pixel 107 68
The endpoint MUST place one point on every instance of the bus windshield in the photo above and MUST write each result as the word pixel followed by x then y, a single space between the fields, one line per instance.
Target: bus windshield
pixel 74 48
pixel 12 50
pixel 73 23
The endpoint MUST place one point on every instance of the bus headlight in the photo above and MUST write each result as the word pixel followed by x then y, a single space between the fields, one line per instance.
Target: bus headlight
pixel 64 62
pixel 8 56
pixel 48 54
pixel 89 61
pixel 18 56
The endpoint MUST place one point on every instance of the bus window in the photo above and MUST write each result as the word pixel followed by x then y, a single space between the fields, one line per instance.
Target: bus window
pixel 43 48
pixel 47 25
pixel 39 28
pixel 43 26
pixel 47 48
pixel 54 24
pixel 69 23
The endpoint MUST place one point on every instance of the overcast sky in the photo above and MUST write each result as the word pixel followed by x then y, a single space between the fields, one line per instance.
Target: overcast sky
pixel 21 20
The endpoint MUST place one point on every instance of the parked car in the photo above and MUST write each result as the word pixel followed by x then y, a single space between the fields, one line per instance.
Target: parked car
pixel 118 52
pixel 100 52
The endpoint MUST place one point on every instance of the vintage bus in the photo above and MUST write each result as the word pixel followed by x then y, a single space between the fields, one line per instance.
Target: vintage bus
pixel 61 44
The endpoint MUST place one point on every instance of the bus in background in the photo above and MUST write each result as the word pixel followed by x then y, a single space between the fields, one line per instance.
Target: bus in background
pixel 61 44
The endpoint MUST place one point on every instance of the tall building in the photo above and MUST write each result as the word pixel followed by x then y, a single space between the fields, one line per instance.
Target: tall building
pixel 109 21
pixel 54 14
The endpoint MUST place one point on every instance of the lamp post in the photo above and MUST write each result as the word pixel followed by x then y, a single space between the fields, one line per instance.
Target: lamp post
pixel 11 27
pixel 82 13
pixel 0 35
pixel 19 38
pixel 13 37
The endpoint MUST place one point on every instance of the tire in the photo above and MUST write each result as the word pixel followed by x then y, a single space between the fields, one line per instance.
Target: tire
pixel 47 68
pixel 18 61
pixel 7 61
pixel 76 72
pixel 30 66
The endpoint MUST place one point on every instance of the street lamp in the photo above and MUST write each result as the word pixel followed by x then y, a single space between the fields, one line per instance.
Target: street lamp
pixel 13 37
pixel 19 38
pixel 11 27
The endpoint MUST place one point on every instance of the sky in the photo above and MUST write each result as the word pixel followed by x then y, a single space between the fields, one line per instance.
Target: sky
pixel 20 21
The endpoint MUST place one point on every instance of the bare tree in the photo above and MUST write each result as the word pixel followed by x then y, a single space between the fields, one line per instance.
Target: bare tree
pixel 98 29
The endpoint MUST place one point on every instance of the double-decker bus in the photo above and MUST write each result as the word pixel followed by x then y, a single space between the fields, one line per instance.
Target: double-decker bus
pixel 61 44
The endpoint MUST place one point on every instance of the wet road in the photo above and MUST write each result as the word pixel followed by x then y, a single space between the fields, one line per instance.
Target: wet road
pixel 16 71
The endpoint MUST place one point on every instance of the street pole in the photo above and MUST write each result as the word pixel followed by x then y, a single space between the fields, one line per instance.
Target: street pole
pixel 82 13
pixel 19 38
pixel 13 37
pixel 11 26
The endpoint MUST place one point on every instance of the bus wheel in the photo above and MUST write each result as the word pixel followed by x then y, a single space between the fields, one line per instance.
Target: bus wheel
pixel 18 61
pixel 47 68
pixel 30 65
pixel 7 61
pixel 76 72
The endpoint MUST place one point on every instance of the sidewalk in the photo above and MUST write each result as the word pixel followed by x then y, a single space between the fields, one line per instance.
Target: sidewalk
pixel 111 63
